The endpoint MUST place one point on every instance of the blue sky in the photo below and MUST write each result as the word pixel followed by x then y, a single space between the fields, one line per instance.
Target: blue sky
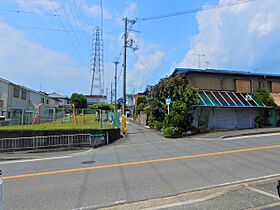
pixel 242 37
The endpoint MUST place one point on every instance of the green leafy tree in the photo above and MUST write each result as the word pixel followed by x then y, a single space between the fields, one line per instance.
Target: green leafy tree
pixel 184 100
pixel 79 100
pixel 103 106
pixel 263 95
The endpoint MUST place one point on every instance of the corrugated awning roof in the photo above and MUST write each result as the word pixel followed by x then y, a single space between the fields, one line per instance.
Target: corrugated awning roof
pixel 228 99
pixel 276 98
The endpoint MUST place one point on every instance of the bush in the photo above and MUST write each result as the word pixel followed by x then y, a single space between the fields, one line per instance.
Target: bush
pixel 264 96
pixel 103 106
pixel 151 120
pixel 158 125
pixel 172 132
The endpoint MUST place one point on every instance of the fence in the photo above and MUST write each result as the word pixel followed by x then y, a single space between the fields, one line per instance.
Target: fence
pixel 58 118
pixel 40 142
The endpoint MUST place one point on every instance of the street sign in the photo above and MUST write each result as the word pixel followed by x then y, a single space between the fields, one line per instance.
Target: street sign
pixel 168 101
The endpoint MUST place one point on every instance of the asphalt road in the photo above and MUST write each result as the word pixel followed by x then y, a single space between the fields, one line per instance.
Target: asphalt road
pixel 141 166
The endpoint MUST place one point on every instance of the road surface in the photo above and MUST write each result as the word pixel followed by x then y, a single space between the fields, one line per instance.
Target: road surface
pixel 143 165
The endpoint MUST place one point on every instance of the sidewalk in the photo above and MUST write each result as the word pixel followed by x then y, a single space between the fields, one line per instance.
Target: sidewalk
pixel 235 133
pixel 35 154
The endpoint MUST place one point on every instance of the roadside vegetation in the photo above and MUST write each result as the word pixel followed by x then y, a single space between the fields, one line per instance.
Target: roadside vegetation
pixel 184 100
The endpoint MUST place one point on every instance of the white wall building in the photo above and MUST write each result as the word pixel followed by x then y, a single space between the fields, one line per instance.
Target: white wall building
pixel 16 98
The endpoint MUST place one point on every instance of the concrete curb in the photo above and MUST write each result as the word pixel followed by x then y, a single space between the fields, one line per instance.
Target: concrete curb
pixel 249 134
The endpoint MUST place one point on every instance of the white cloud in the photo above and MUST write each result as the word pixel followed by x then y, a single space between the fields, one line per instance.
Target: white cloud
pixel 130 10
pixel 37 6
pixel 25 60
pixel 144 69
pixel 245 36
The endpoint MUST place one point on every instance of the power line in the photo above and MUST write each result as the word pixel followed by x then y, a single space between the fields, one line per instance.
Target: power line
pixel 156 17
pixel 140 61
pixel 63 25
pixel 28 12
pixel 47 29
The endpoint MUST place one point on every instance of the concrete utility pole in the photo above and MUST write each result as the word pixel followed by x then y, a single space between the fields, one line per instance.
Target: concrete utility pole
pixel 127 43
pixel 124 66
pixel 111 92
pixel 116 72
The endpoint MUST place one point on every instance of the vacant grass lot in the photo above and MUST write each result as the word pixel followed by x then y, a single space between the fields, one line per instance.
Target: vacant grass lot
pixel 88 121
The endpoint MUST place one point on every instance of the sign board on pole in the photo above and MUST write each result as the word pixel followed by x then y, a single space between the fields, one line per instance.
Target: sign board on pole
pixel 168 101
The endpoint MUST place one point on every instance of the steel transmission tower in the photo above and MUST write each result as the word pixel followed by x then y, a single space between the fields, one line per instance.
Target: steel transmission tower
pixel 97 63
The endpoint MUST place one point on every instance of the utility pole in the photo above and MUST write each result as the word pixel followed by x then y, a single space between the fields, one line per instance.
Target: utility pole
pixel 199 58
pixel 116 72
pixel 124 66
pixel 127 43
pixel 111 92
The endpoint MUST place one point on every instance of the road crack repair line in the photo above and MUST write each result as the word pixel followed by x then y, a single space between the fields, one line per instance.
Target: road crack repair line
pixel 139 162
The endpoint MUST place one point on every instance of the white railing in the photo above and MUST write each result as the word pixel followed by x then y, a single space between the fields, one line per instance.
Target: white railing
pixel 38 142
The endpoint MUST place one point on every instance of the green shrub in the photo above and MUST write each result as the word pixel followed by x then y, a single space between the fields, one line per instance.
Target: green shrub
pixel 158 125
pixel 151 120
pixel 103 106
pixel 264 96
pixel 172 132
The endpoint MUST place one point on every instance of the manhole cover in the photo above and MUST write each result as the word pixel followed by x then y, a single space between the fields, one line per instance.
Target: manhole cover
pixel 88 162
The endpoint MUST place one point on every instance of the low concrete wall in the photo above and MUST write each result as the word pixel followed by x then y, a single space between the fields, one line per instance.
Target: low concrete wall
pixel 114 134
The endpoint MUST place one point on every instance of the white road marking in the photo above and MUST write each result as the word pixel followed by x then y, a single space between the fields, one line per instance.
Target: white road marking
pixel 84 208
pixel 42 159
pixel 185 202
pixel 262 192
pixel 251 136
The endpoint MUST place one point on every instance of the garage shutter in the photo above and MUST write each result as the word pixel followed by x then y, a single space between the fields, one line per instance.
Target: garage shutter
pixel 243 118
pixel 224 119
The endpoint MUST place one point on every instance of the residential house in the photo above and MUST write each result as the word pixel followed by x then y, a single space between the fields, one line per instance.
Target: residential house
pixel 95 99
pixel 63 100
pixel 16 99
pixel 226 99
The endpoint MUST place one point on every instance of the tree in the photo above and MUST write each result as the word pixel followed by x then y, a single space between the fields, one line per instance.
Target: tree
pixel 184 100
pixel 263 95
pixel 79 100
pixel 103 106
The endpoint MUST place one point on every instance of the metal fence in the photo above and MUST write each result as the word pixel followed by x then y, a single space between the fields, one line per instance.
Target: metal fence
pixel 58 118
pixel 41 142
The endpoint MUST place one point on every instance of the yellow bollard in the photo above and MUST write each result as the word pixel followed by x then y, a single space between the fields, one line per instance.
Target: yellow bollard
pixel 123 124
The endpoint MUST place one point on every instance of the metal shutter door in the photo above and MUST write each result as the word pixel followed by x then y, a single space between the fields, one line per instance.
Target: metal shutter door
pixel 224 119
pixel 243 118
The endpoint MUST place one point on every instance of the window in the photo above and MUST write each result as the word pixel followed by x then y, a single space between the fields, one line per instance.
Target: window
pixel 47 101
pixel 275 87
pixel 16 92
pixel 243 86
pixel 42 100
pixel 23 94
pixel 1 104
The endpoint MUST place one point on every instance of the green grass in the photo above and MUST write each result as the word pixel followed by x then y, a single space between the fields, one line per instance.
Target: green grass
pixel 90 122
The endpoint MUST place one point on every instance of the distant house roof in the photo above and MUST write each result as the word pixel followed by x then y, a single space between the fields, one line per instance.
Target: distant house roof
pixel 219 71
pixel 25 88
pixel 57 96
pixel 95 96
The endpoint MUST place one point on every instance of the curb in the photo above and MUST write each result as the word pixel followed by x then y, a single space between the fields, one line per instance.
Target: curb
pixel 249 134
